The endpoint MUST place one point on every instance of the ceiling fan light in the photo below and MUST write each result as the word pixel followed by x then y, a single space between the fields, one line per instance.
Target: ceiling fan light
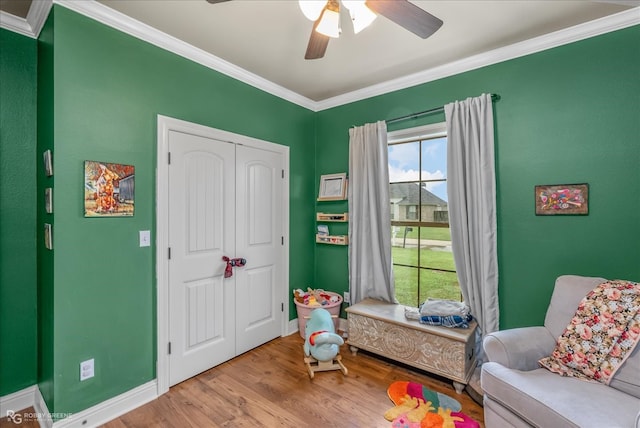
pixel 361 17
pixel 312 8
pixel 329 24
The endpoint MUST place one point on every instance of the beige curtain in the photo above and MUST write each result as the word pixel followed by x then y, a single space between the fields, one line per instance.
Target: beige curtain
pixel 370 267
pixel 472 206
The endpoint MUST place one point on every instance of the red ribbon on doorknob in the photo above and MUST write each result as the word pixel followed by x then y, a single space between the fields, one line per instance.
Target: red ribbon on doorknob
pixel 231 263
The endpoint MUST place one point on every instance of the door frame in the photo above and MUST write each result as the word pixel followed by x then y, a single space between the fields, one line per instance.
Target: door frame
pixel 165 125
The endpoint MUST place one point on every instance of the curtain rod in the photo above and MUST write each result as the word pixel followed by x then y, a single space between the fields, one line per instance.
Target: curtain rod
pixel 494 97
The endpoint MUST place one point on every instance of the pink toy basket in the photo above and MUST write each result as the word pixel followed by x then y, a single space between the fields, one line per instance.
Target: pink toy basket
pixel 305 311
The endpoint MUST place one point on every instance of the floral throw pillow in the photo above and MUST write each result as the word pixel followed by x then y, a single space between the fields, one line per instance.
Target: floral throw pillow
pixel 601 334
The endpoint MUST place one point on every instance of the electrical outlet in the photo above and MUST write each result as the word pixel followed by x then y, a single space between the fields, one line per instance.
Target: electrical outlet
pixel 86 370
pixel 347 297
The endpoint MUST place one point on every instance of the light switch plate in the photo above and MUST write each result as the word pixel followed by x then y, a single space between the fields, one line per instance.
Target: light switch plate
pixel 145 238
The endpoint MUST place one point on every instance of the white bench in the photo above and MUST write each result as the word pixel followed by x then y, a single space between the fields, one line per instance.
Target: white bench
pixel 382 328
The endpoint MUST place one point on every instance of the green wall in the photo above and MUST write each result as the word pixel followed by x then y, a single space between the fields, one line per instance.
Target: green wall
pixel 45 267
pixel 566 115
pixel 17 212
pixel 101 103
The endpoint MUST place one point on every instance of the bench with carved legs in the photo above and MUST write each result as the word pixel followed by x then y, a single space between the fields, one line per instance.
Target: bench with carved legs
pixel 382 328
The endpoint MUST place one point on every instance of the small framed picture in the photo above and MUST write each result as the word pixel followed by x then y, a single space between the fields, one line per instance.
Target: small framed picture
pixel 109 189
pixel 48 200
pixel 562 199
pixel 333 187
pixel 48 163
pixel 48 236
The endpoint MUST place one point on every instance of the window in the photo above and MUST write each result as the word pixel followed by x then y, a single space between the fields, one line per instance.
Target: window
pixel 421 240
pixel 412 212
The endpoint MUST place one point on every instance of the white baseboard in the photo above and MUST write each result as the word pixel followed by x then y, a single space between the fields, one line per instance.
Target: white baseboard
pixel 100 413
pixel 18 400
pixel 42 412
pixel 292 327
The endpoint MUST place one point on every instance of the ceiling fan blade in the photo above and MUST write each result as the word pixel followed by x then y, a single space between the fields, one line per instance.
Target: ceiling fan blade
pixel 217 1
pixel 407 15
pixel 317 42
pixel 317 45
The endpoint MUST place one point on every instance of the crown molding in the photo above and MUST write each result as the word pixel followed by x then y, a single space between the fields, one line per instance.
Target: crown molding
pixel 38 13
pixel 34 22
pixel 15 24
pixel 573 34
pixel 112 18
pixel 92 9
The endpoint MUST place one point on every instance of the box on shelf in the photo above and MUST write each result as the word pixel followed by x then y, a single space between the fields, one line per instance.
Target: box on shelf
pixel 332 217
pixel 332 239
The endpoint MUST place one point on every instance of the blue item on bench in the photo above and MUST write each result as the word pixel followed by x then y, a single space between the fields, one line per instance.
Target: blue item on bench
pixel 446 321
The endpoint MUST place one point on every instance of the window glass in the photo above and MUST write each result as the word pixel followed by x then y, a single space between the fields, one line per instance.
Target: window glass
pixel 421 239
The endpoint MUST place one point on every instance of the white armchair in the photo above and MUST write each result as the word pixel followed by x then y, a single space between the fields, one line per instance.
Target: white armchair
pixel 519 348
pixel 518 393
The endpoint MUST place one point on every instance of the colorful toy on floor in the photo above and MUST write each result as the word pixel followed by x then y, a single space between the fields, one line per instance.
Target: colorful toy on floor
pixel 408 404
pixel 464 421
pixel 397 391
pixel 448 419
pixel 432 420
pixel 445 418
pixel 418 414
pixel 403 422
pixel 322 344
pixel 413 409
pixel 415 406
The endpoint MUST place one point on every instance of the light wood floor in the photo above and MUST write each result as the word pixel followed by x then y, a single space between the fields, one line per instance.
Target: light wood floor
pixel 25 418
pixel 269 386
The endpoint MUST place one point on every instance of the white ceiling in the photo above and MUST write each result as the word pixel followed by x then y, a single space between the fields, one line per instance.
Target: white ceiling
pixel 268 38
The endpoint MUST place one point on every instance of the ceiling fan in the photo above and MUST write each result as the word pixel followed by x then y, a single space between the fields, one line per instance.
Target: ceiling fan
pixel 326 17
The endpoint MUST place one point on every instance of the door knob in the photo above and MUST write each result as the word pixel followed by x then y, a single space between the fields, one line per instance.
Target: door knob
pixel 231 263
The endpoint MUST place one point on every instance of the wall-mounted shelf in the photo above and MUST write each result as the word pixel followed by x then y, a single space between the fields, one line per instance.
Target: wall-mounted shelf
pixel 334 217
pixel 332 239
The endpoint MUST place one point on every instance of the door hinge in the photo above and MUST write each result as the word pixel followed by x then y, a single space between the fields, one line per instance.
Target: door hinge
pixel 281 307
pixel 169 252
pixel 169 158
pixel 283 173
pixel 282 240
pixel 169 348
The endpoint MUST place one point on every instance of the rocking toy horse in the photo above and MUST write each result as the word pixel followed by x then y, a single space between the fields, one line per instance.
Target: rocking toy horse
pixel 322 344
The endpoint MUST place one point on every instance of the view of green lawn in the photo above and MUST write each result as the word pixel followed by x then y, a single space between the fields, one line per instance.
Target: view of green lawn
pixel 435 233
pixel 433 283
